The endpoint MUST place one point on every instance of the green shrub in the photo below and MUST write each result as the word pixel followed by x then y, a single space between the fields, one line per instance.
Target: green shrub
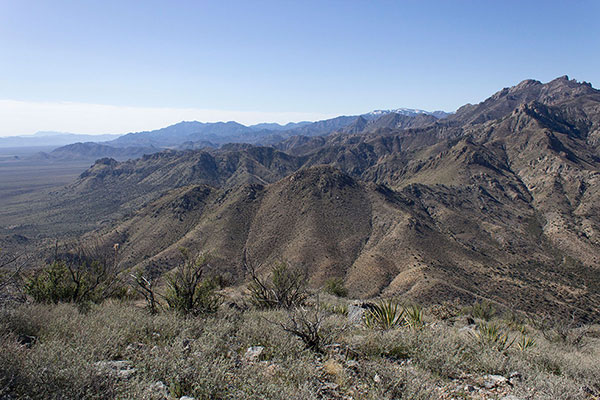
pixel 187 291
pixel 283 288
pixel 483 310
pixel 335 286
pixel 52 284
pixel 83 276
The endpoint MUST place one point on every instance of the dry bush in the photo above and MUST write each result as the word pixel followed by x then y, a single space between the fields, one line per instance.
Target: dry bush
pixel 11 278
pixel 284 287
pixel 565 331
pixel 187 290
pixel 146 287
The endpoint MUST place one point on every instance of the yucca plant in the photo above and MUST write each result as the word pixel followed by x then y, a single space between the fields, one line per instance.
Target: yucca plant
pixel 492 335
pixel 385 315
pixel 341 309
pixel 413 315
pixel 525 343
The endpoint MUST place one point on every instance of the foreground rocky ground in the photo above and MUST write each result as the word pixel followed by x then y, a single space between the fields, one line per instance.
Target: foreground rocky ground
pixel 118 350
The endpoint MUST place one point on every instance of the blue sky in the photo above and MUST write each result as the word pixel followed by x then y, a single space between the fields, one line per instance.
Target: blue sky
pixel 115 66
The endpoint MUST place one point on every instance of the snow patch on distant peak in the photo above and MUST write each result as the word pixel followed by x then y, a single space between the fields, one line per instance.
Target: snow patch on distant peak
pixel 409 111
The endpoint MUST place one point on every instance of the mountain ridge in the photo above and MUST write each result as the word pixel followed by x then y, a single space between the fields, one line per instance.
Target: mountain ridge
pixel 497 201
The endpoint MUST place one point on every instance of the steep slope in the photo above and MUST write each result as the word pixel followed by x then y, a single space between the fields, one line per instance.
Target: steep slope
pixel 426 242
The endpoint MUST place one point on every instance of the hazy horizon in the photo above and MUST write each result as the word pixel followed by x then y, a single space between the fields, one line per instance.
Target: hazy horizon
pixel 115 67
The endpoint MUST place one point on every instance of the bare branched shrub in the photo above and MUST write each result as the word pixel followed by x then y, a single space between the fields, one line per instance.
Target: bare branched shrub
pixel 187 290
pixel 306 323
pixel 11 278
pixel 145 286
pixel 284 287
pixel 557 330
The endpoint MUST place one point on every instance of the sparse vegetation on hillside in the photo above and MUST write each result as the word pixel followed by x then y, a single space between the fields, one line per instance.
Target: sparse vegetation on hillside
pixel 461 216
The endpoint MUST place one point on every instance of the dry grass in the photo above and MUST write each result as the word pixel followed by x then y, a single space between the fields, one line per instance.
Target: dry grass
pixel 204 357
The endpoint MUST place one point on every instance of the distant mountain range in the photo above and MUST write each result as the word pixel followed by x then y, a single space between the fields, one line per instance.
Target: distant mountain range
pixel 196 135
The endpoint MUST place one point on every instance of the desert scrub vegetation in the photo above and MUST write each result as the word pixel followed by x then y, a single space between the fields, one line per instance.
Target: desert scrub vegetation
pixel 81 275
pixel 282 342
pixel 119 350
pixel 187 290
pixel 283 287
pixel 336 287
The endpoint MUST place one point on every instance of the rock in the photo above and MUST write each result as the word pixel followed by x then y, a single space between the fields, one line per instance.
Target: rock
pixel 492 381
pixel 355 314
pixel 253 353
pixel 377 378
pixel 135 346
pixel 187 398
pixel 271 370
pixel 330 386
pixel 159 388
pixel 186 345
pixel 514 377
pixel 122 369
pixel 468 329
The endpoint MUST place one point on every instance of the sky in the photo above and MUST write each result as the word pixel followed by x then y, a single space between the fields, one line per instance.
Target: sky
pixel 104 66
